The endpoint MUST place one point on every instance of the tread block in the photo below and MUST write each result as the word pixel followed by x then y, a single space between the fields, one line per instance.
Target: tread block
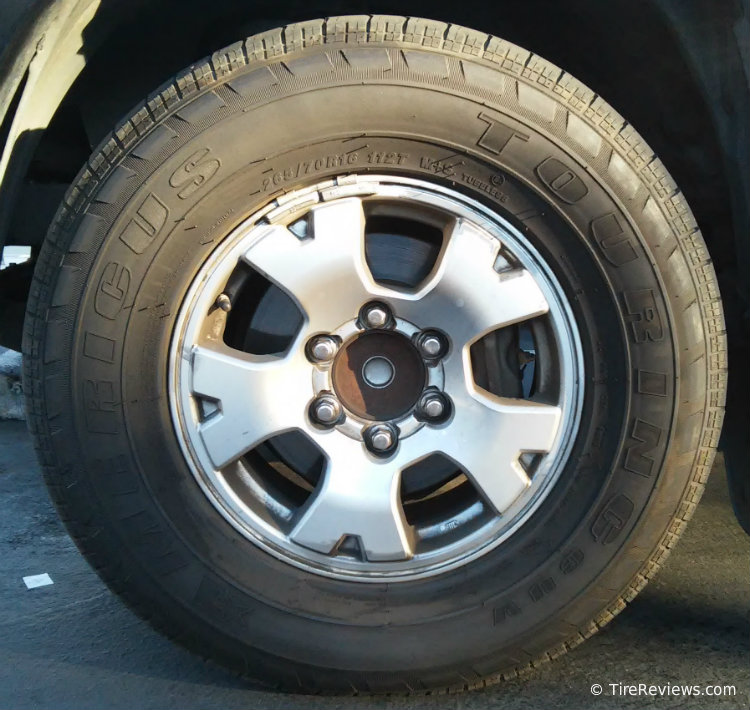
pixel 465 40
pixel 428 33
pixel 304 34
pixel 228 59
pixel 511 57
pixel 346 28
pixel 388 28
pixel 265 45
pixel 542 72
pixel 203 72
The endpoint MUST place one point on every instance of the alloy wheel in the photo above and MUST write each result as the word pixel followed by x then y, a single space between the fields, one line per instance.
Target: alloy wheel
pixel 403 425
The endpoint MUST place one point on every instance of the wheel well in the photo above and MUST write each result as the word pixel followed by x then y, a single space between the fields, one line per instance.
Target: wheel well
pixel 634 54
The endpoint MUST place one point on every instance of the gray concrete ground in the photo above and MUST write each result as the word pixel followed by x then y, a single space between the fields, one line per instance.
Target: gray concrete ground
pixel 11 389
pixel 74 645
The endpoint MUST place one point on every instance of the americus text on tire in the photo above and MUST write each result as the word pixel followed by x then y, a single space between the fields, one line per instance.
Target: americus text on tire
pixel 375 354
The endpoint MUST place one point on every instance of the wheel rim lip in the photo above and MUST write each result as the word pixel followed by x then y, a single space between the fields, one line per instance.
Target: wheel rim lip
pixel 228 504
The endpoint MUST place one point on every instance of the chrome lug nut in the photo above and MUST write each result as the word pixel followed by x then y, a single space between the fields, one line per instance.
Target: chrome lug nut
pixel 434 407
pixel 376 315
pixel 326 410
pixel 432 345
pixel 322 348
pixel 381 439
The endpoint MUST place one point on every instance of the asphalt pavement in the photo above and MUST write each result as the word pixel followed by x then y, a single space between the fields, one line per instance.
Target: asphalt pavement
pixel 72 643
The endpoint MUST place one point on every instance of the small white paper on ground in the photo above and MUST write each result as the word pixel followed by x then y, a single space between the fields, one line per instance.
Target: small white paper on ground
pixel 37 580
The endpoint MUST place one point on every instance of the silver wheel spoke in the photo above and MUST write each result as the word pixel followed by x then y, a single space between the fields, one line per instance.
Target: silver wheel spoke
pixel 488 434
pixel 257 397
pixel 466 297
pixel 359 497
pixel 326 274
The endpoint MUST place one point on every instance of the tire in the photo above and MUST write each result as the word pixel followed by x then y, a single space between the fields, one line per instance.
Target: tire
pixel 453 108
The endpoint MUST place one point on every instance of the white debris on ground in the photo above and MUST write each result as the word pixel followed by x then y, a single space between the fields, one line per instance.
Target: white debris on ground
pixel 11 389
pixel 37 580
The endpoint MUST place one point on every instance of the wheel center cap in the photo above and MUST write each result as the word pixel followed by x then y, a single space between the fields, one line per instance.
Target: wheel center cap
pixel 378 372
pixel 379 375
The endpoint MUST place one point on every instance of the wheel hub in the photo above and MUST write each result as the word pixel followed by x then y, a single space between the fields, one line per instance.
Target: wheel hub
pixel 378 372
pixel 379 375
